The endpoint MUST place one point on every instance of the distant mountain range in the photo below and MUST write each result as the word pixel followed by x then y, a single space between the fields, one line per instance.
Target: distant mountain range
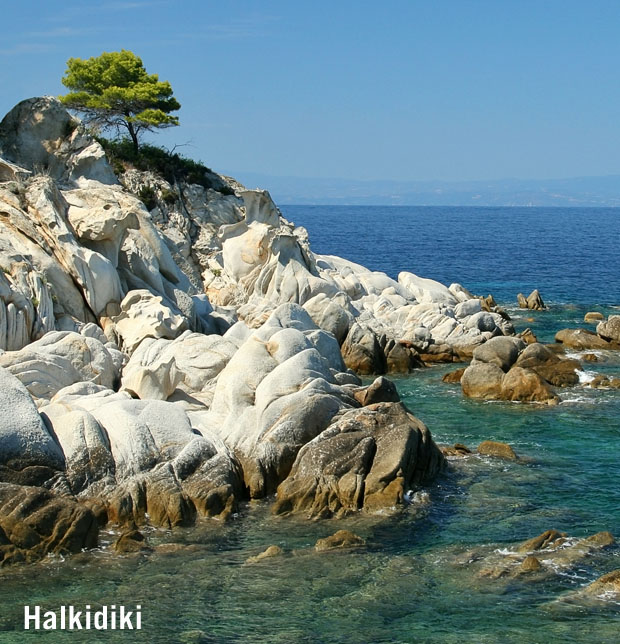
pixel 578 191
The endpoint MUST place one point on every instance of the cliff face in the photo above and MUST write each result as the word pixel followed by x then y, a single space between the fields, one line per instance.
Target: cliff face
pixel 171 362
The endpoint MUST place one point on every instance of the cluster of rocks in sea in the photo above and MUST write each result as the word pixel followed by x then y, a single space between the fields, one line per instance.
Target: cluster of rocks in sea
pixel 167 364
pixel 533 301
pixel 548 555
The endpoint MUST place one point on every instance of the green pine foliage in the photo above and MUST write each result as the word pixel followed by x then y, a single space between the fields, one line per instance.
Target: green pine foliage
pixel 114 91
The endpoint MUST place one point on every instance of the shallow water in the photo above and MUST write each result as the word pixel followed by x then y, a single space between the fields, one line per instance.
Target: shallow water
pixel 412 582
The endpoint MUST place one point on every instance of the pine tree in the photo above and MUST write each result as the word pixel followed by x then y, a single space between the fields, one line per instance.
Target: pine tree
pixel 114 91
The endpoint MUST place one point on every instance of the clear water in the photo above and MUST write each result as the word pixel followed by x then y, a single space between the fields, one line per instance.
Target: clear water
pixel 412 582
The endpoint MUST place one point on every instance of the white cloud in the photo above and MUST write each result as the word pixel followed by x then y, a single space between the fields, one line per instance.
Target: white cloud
pixel 26 48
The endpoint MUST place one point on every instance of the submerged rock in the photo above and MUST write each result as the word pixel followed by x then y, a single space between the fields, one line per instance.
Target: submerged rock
pixel 548 554
pixel 130 540
pixel 453 377
pixel 606 584
pixel 497 449
pixel 458 449
pixel 269 553
pixel 601 381
pixel 339 540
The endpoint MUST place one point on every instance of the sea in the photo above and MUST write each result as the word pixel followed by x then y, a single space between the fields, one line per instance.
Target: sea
pixel 418 579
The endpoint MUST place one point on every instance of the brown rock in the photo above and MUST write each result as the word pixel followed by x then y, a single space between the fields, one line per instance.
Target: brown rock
pixel 527 335
pixel 525 385
pixel 483 381
pixel 530 564
pixel 458 449
pixel 557 372
pixel 381 390
pixel 590 357
pixel 581 339
pixel 362 352
pixel 608 583
pixel 211 490
pixel 454 377
pixel 401 358
pixel 601 539
pixel 535 355
pixel 367 459
pixel 35 522
pixel 593 317
pixel 560 374
pixel 131 540
pixel 601 381
pixel 157 494
pixel 439 353
pixel 534 301
pixel 548 539
pixel 497 449
pixel 340 539
pixel 610 330
pixel 502 351
pixel 271 551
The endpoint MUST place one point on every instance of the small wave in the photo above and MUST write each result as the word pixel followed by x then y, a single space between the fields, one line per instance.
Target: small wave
pixel 578 355
pixel 577 400
pixel 586 376
pixel 610 596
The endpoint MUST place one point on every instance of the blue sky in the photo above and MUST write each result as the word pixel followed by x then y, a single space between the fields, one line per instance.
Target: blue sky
pixel 407 90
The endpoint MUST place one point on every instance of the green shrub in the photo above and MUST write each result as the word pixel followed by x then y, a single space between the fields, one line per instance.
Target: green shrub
pixel 168 196
pixel 148 196
pixel 170 165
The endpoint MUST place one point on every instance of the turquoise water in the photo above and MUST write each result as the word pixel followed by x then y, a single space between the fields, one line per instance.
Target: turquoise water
pixel 418 579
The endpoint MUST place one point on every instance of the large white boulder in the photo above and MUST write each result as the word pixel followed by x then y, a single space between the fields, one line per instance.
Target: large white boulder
pixel 276 393
pixel 60 359
pixel 184 368
pixel 144 315
pixel 24 439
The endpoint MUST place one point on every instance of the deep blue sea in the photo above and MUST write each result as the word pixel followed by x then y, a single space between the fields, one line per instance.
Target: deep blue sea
pixel 572 255
pixel 415 580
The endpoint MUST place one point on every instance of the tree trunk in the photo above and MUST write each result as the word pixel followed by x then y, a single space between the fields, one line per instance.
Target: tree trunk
pixel 134 136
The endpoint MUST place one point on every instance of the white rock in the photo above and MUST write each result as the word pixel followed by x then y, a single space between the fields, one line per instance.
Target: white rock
pixel 467 308
pixel 426 290
pixel 188 364
pixel 24 438
pixel 143 315
pixel 59 359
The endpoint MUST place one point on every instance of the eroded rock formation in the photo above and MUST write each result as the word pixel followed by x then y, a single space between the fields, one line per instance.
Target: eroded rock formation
pixel 165 363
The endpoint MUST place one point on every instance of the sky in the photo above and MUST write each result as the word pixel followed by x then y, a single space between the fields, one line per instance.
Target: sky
pixel 451 90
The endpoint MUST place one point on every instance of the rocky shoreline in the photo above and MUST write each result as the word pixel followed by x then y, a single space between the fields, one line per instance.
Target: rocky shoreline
pixel 168 363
